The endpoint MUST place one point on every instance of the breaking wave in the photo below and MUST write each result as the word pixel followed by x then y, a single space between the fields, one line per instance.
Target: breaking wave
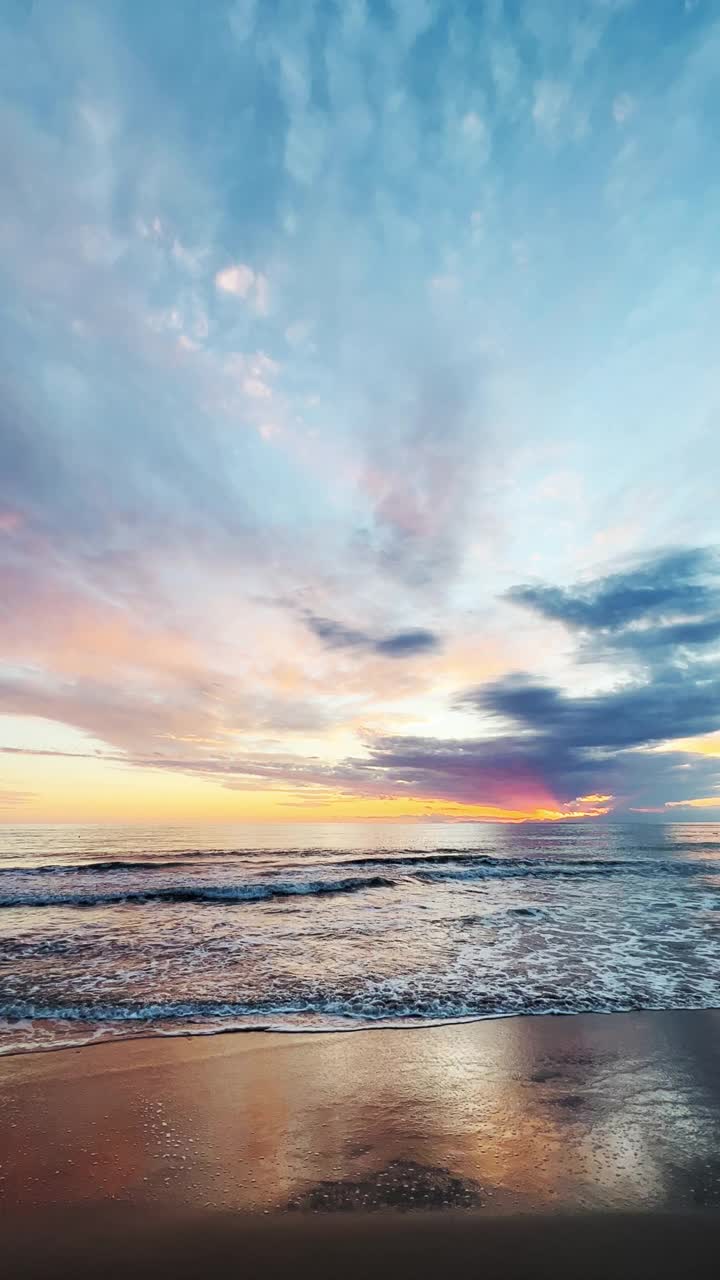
pixel 196 893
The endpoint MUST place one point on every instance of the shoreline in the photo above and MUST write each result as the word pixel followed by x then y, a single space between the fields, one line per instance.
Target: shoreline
pixel 602 1112
pixel 374 1028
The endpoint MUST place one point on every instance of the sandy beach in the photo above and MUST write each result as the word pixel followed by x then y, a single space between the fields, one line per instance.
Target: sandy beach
pixel 507 1127
pixel 521 1114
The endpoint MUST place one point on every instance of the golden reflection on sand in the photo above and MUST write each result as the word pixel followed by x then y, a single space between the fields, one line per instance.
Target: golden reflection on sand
pixel 538 1112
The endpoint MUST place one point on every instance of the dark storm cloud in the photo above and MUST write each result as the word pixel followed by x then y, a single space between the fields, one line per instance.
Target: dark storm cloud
pixel 399 644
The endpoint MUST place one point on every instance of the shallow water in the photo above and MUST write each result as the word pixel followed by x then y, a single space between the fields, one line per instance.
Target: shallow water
pixel 120 931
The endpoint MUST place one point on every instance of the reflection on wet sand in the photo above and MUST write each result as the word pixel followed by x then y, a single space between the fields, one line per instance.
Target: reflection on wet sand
pixel 620 1111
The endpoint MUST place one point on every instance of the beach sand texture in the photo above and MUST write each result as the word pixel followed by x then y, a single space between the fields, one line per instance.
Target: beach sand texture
pixel 616 1112
pixel 525 1147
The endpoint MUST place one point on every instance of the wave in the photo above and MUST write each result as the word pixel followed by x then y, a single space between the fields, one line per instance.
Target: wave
pixel 566 869
pixel 534 865
pixel 215 858
pixel 72 868
pixel 177 864
pixel 197 893
pixel 428 869
pixel 363 1009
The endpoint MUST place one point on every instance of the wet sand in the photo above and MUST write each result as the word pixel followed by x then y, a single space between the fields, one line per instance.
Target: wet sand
pixel 526 1117
pixel 593 1112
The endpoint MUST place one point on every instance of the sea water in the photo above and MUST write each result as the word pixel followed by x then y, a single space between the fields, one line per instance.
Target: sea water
pixel 120 931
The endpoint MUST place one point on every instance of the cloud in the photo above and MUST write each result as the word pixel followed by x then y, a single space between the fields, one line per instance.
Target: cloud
pixel 238 280
pixel 189 708
pixel 701 802
pixel 497 778
pixel 253 373
pixel 427 462
pixel 400 644
pixel 670 703
pixel 242 282
pixel 160 473
pixel 406 643
pixel 669 586
pixel 662 615
pixel 544 752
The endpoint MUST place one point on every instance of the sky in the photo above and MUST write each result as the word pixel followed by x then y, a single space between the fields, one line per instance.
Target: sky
pixel 359 410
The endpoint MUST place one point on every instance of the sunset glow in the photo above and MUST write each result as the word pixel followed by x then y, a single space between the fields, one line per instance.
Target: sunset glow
pixel 358 451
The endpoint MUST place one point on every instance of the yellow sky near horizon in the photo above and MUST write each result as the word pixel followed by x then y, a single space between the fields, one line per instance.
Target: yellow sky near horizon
pixel 84 788
pixel 88 785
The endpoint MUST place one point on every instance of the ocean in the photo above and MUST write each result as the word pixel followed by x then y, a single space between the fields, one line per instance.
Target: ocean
pixel 109 932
